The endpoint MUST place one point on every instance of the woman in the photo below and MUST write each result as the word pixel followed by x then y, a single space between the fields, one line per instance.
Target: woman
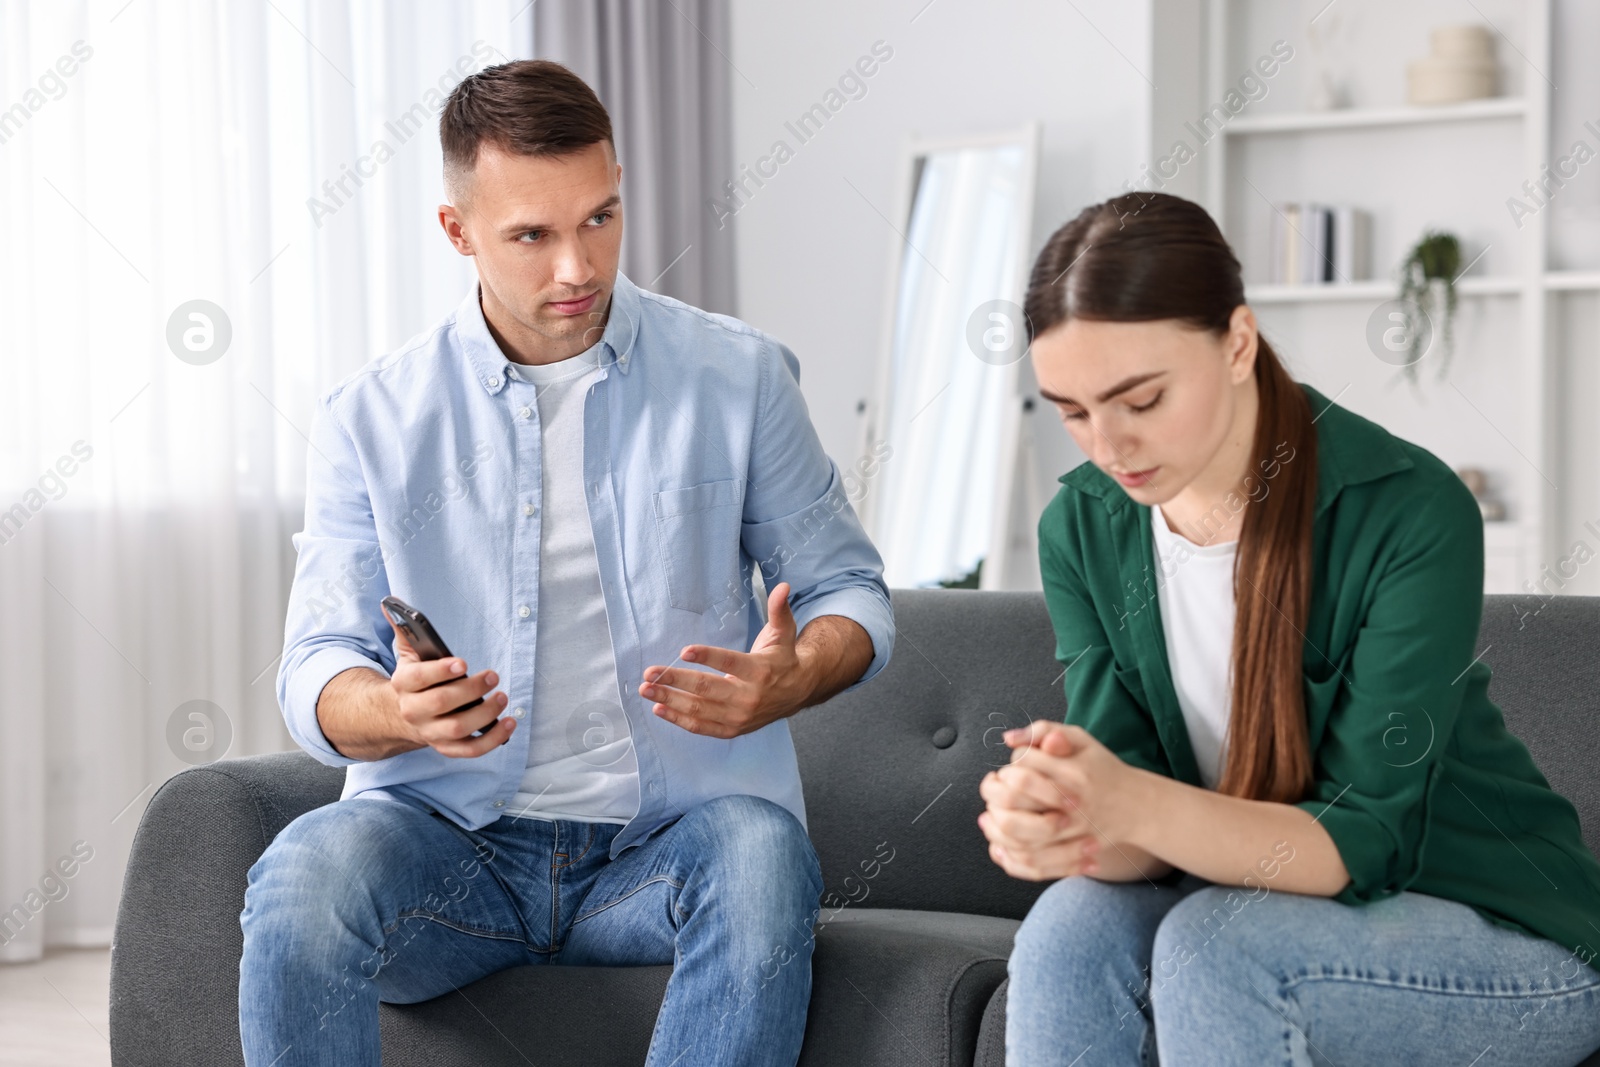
pixel 1284 821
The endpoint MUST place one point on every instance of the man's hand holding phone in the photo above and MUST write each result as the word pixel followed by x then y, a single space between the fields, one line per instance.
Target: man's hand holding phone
pixel 432 694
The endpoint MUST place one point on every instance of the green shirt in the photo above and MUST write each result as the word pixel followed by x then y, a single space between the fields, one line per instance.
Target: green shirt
pixel 1417 780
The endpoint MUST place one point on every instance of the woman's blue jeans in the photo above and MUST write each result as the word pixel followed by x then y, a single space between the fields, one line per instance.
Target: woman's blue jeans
pixel 1200 974
pixel 371 899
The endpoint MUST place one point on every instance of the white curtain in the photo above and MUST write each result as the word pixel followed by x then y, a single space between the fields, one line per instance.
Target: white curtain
pixel 661 69
pixel 278 160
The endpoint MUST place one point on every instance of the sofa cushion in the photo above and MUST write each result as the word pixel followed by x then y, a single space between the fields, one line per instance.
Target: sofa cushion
pixel 889 988
pixel 1546 680
pixel 895 987
pixel 550 1016
pixel 895 765
pixel 992 1033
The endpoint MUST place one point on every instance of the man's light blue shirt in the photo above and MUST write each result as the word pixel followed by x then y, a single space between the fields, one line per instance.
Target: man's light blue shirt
pixel 700 464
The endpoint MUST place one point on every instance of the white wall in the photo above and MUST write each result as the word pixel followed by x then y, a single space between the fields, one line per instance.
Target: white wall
pixel 812 246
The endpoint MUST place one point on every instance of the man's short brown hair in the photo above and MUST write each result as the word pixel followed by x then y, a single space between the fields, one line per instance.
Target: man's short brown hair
pixel 530 107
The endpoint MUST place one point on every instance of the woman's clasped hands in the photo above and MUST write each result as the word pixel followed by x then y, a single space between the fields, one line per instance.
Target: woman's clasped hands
pixel 1062 799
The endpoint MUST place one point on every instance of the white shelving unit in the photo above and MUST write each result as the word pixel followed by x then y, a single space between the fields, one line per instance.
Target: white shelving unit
pixel 1554 281
pixel 1260 157
pixel 1352 118
pixel 1368 291
pixel 1571 281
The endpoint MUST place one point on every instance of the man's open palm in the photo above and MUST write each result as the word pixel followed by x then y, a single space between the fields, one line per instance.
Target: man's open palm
pixel 752 689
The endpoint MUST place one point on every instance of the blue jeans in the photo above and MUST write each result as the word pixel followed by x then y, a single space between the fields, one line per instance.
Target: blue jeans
pixel 370 900
pixel 1106 973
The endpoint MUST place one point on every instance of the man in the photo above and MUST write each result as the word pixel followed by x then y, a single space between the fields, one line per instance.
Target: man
pixel 571 477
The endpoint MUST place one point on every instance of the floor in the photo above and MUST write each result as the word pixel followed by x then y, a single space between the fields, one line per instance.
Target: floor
pixel 56 1011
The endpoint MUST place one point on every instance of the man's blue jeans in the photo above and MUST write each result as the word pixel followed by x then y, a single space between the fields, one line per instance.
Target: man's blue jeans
pixel 372 899
pixel 1199 974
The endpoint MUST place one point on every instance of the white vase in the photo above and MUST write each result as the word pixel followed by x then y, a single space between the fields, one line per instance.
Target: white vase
pixel 1461 67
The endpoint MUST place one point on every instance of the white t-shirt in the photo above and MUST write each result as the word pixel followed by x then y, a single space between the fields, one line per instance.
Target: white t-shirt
pixel 1197 609
pixel 581 762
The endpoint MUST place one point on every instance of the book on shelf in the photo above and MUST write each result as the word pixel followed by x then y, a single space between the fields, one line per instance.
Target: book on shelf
pixel 1317 244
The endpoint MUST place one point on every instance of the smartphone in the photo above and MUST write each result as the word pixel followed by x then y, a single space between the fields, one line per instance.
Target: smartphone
pixel 424 638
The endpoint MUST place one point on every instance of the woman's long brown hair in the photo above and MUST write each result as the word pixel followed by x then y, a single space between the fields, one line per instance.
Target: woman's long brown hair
pixel 1148 256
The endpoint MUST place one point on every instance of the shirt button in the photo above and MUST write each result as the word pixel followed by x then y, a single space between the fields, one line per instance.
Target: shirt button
pixel 499 803
pixel 493 383
pixel 517 713
pixel 526 413
pixel 524 611
pixel 528 509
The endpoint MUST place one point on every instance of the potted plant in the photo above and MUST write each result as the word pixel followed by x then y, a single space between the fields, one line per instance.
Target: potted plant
pixel 1428 283
pixel 968 581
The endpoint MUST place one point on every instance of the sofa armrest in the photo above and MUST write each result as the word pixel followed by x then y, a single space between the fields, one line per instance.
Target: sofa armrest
pixel 175 951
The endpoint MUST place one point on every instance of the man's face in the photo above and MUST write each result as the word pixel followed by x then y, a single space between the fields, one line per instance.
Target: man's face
pixel 546 232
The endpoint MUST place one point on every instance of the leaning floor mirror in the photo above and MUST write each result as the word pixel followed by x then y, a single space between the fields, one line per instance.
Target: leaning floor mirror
pixel 946 421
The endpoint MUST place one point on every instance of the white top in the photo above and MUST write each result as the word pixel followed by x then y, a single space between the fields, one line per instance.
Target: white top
pixel 1197 609
pixel 581 762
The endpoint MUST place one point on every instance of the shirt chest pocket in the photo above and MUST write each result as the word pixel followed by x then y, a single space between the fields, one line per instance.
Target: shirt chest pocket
pixel 697 527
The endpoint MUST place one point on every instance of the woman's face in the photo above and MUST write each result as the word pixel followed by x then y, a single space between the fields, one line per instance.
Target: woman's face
pixel 1153 404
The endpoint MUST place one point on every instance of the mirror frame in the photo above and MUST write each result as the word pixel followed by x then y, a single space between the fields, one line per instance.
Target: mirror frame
pixel 913 147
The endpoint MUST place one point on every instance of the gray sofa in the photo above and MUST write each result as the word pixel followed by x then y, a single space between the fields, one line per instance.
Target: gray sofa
pixel 909 971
